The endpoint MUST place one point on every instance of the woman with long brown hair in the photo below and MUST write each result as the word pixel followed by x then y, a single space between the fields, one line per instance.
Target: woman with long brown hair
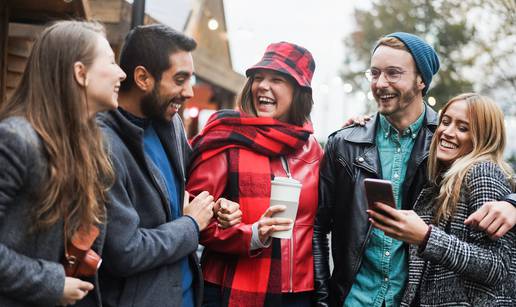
pixel 55 171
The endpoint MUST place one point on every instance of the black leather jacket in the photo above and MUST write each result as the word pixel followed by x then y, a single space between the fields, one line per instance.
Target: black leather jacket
pixel 351 156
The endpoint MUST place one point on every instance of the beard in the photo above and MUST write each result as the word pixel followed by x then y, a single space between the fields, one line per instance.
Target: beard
pixel 153 106
pixel 404 99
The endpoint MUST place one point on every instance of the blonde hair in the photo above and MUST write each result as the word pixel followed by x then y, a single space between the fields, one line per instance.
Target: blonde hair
pixel 392 42
pixel 487 128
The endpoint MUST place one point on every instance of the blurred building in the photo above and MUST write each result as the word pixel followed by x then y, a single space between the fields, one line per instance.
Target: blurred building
pixel 217 84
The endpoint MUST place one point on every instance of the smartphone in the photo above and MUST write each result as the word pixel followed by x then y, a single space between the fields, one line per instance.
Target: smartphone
pixel 379 190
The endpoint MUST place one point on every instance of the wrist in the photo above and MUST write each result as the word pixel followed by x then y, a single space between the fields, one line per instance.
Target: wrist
pixel 422 244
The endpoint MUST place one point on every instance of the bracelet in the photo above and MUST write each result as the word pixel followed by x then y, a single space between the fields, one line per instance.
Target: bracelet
pixel 422 246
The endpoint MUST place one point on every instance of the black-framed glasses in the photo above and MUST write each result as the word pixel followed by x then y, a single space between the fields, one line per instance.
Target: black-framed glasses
pixel 392 75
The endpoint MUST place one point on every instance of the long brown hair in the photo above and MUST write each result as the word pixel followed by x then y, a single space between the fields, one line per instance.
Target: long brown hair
pixel 487 128
pixel 48 96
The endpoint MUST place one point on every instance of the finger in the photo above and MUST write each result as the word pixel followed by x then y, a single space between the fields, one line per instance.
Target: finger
pixel 501 232
pixel 279 221
pixel 486 221
pixel 227 224
pixel 390 211
pixel 494 226
pixel 85 286
pixel 229 217
pixel 232 207
pixel 477 216
pixel 381 218
pixel 274 209
pixel 386 229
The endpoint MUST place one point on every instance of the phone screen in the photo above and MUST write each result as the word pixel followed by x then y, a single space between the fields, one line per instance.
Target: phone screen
pixel 379 190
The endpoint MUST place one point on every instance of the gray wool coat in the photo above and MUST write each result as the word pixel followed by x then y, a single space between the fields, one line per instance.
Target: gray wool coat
pixel 144 246
pixel 30 272
pixel 461 266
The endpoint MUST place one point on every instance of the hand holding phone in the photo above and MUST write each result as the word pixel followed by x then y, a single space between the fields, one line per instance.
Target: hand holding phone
pixel 379 190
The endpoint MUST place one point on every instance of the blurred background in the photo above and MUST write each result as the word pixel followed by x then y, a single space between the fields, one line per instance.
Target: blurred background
pixel 475 39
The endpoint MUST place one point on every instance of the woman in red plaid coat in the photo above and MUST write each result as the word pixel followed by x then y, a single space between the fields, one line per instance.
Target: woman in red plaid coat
pixel 235 157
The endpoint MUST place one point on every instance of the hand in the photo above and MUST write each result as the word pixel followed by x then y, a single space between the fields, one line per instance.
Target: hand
pixel 404 225
pixel 495 218
pixel 200 208
pixel 357 120
pixel 228 213
pixel 74 290
pixel 268 224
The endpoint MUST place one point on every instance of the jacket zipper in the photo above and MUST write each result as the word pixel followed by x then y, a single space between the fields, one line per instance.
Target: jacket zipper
pixel 291 263
pixel 286 168
pixel 362 247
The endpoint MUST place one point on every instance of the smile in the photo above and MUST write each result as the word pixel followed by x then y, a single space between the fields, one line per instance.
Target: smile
pixel 265 100
pixel 448 145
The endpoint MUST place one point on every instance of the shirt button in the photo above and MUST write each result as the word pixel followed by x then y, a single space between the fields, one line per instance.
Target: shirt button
pixel 398 150
pixel 414 136
pixel 395 175
pixel 387 253
pixel 386 279
pixel 360 159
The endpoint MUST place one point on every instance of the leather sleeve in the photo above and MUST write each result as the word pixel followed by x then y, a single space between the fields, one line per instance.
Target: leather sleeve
pixel 211 175
pixel 323 225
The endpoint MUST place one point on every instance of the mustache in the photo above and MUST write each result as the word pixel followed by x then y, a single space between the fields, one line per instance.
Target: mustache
pixel 383 91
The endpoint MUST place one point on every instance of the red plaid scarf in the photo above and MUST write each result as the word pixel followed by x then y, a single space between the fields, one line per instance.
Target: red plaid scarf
pixel 250 142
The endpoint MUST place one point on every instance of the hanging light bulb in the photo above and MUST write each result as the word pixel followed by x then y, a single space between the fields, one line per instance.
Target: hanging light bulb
pixel 213 24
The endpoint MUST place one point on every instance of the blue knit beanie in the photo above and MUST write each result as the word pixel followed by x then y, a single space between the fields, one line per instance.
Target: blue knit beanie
pixel 427 61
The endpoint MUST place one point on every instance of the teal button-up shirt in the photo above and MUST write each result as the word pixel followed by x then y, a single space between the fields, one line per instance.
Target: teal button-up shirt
pixel 383 273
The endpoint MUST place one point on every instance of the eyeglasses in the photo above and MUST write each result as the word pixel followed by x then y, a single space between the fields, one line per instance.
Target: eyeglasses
pixel 392 75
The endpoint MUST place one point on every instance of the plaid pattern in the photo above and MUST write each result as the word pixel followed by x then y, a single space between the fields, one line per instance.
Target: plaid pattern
pixel 249 142
pixel 461 266
pixel 289 59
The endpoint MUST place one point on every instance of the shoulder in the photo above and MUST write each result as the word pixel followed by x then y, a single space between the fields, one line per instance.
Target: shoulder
pixel 310 152
pixel 487 173
pixel 18 134
pixel 486 169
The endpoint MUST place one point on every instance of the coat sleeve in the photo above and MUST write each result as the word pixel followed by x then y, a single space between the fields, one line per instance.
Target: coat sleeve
pixel 323 225
pixel 130 249
pixel 478 258
pixel 35 281
pixel 211 175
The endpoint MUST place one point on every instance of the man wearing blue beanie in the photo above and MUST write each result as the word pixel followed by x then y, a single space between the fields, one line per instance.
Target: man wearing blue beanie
pixel 370 268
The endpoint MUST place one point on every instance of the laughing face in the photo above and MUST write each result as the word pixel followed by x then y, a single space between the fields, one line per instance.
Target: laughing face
pixel 172 91
pixel 395 98
pixel 272 94
pixel 454 134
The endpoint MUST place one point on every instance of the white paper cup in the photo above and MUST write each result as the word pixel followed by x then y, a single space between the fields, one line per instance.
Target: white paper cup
pixel 285 191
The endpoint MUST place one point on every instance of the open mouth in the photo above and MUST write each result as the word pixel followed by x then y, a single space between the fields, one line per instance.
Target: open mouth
pixel 448 145
pixel 386 97
pixel 266 101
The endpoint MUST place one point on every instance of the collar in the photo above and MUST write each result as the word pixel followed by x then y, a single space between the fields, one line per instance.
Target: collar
pixel 387 129
pixel 367 134
pixel 136 120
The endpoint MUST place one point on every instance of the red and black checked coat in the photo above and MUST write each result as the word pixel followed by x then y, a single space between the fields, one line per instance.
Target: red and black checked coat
pixel 297 260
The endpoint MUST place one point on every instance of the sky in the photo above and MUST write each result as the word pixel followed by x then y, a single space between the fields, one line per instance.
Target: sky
pixel 319 26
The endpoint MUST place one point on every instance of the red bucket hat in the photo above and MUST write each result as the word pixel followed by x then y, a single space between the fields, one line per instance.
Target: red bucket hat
pixel 289 59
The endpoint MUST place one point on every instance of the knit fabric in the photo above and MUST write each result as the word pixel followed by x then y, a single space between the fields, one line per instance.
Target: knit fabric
pixel 462 266
pixel 427 61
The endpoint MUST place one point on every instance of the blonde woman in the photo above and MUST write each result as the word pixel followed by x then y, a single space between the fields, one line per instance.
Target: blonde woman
pixel 451 263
